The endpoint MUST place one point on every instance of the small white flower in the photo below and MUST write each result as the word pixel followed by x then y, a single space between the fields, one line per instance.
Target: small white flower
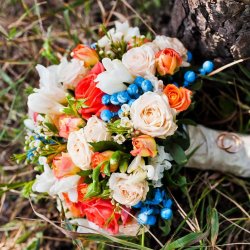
pixel 119 138
pixel 112 80
pixel 126 123
pixel 125 108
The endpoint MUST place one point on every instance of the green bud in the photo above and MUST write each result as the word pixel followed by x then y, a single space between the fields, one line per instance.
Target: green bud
pixel 106 169
pixel 123 165
pixel 114 161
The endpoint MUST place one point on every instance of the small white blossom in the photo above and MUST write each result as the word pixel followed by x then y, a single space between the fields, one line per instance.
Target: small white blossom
pixel 119 139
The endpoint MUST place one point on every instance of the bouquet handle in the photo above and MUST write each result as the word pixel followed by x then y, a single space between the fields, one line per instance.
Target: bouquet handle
pixel 220 151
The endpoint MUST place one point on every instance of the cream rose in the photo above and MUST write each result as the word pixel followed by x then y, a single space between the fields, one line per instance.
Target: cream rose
pixel 163 42
pixel 96 130
pixel 152 115
pixel 79 149
pixel 128 189
pixel 140 60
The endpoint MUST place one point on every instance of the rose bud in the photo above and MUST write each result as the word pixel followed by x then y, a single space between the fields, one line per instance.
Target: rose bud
pixel 167 61
pixel 178 98
pixel 86 54
pixel 144 145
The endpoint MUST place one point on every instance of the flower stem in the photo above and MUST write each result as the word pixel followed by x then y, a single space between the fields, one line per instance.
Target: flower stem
pixel 142 237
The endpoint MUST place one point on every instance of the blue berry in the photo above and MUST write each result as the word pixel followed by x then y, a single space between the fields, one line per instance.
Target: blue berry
pixel 131 102
pixel 106 115
pixel 146 210
pixel 151 220
pixel 167 203
pixel 138 81
pixel 114 100
pixel 186 84
pixel 93 46
pixel 190 76
pixel 189 56
pixel 142 218
pixel 146 86
pixel 208 66
pixel 202 71
pixel 133 89
pixel 123 96
pixel 166 213
pixel 106 99
pixel 138 205
pixel 120 113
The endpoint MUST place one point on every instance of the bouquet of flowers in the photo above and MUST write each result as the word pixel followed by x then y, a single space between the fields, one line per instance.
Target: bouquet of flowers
pixel 106 126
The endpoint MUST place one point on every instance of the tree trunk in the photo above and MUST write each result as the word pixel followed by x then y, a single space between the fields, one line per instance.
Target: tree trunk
pixel 214 29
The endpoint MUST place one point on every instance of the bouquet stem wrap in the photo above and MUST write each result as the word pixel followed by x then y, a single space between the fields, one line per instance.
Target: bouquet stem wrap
pixel 210 155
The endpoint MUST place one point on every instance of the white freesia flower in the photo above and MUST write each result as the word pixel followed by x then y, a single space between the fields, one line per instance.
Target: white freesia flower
pixel 41 103
pixel 112 80
pixel 161 163
pixel 152 115
pixel 138 165
pixel 121 30
pixel 47 182
pixel 163 42
pixel 79 149
pixel 85 226
pixel 96 130
pixel 29 124
pixel 140 60
pixel 128 189
pixel 54 80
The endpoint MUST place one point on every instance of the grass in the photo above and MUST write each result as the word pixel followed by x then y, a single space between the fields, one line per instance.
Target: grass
pixel 211 211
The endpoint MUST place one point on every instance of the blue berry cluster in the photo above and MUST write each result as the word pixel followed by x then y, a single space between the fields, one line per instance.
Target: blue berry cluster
pixel 190 76
pixel 134 91
pixel 150 209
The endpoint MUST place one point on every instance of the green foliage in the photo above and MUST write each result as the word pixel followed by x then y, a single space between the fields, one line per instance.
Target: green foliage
pixel 106 145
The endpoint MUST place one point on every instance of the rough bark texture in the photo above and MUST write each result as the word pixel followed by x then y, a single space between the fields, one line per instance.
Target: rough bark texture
pixel 216 29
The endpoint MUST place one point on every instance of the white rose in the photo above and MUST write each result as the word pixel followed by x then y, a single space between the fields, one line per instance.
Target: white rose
pixel 79 149
pixel 96 130
pixel 128 189
pixel 140 60
pixel 112 80
pixel 163 42
pixel 152 115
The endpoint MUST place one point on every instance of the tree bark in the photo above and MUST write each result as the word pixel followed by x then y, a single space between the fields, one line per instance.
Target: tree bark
pixel 214 29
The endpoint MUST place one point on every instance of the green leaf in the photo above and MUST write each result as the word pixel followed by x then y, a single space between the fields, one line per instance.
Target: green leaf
pixel 51 127
pixel 184 241
pixel 178 154
pixel 27 189
pixel 106 145
pixel 186 122
pixel 94 189
pixel 106 169
pixel 214 226
pixel 85 172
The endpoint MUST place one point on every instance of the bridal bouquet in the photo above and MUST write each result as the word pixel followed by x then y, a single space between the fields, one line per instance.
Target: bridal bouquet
pixel 107 125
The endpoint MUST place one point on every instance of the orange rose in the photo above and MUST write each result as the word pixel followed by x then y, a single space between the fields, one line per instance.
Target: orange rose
pixel 86 54
pixel 167 61
pixel 68 124
pixel 63 166
pixel 98 158
pixel 179 98
pixel 144 145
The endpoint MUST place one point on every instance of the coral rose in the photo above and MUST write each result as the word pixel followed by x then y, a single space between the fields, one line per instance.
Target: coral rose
pixel 179 98
pixel 98 158
pixel 68 124
pixel 167 61
pixel 85 54
pixel 144 145
pixel 63 166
